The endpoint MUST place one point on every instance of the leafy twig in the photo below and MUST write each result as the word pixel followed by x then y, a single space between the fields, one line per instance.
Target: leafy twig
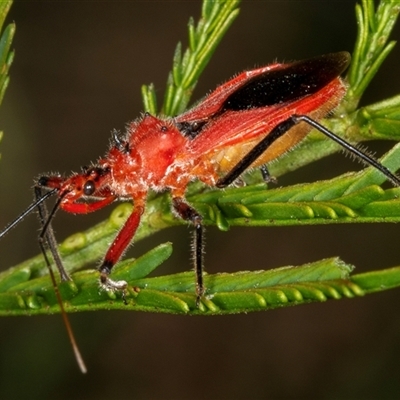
pixel 356 197
pixel 216 18
pixel 6 55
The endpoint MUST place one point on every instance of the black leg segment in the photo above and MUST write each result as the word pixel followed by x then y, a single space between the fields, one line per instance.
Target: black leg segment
pixel 256 152
pixel 188 213
pixel 46 236
pixel 267 177
pixel 279 131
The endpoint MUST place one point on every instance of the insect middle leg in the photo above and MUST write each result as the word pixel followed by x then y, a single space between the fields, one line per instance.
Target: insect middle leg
pixel 188 213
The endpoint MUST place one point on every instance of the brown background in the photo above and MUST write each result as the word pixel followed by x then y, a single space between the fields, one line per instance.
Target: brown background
pixel 76 75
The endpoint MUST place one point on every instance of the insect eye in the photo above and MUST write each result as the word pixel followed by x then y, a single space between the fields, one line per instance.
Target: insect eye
pixel 43 181
pixel 89 188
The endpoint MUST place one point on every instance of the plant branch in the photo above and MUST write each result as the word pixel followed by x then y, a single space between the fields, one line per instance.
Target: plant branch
pixel 351 198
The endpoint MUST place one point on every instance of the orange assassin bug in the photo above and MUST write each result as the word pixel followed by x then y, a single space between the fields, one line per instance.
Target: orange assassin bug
pixel 245 123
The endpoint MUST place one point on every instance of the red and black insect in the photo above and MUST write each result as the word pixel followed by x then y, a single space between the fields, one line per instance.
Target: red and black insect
pixel 245 123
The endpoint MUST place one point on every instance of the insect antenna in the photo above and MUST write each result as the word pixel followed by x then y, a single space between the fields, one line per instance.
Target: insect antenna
pixel 35 204
pixel 47 239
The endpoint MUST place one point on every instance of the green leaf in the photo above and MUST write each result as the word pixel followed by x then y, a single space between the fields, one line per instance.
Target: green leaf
pixel 6 55
pixel 372 46
pixel 216 18
pixel 226 293
pixel 378 121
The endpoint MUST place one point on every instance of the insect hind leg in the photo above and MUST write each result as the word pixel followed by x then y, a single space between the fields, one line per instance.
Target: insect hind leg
pixel 256 152
pixel 357 152
pixel 282 128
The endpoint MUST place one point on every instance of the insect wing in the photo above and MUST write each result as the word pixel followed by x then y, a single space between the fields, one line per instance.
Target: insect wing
pixel 311 87
pixel 211 104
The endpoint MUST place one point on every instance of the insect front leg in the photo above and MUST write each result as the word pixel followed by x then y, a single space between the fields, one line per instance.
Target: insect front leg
pixel 47 237
pixel 188 213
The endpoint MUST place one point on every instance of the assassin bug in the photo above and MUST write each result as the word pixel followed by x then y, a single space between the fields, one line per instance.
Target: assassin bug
pixel 245 123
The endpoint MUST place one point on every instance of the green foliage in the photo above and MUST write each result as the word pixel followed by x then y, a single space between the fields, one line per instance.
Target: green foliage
pixel 6 55
pixel 376 121
pixel 226 293
pixel 216 18
pixel 372 47
pixel 354 197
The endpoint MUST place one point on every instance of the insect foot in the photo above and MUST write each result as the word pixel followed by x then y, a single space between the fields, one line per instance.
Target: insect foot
pixel 110 285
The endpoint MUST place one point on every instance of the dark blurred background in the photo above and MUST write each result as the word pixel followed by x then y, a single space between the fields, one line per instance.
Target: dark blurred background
pixel 76 76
